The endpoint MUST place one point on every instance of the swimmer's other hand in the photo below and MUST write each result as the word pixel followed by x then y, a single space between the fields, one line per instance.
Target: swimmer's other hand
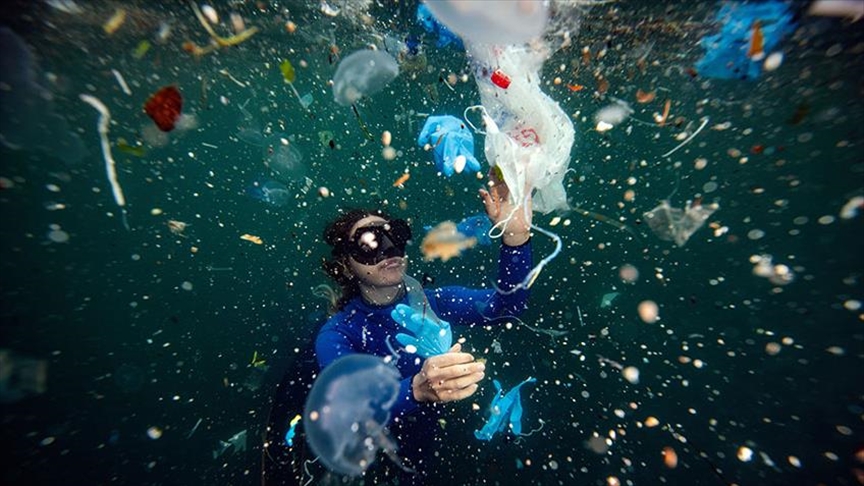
pixel 448 377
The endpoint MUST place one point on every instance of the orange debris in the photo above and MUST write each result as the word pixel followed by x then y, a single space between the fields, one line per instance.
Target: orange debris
pixel 401 180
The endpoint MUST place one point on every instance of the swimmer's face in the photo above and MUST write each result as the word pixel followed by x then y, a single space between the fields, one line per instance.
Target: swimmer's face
pixel 387 272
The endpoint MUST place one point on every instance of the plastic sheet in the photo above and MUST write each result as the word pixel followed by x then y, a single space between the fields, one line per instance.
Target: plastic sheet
pixel 528 135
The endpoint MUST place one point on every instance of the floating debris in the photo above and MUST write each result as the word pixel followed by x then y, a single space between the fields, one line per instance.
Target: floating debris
pixel 254 239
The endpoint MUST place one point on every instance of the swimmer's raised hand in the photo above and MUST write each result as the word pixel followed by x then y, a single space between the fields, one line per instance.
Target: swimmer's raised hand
pixel 448 377
pixel 501 211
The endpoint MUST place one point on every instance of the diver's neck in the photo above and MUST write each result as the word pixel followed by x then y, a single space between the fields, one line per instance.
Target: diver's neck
pixel 382 296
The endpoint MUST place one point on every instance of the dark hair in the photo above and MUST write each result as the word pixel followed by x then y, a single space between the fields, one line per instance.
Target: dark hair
pixel 336 234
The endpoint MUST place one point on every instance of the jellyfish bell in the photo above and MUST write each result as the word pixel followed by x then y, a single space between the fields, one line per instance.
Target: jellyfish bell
pixel 493 21
pixel 347 412
pixel 286 161
pixel 363 73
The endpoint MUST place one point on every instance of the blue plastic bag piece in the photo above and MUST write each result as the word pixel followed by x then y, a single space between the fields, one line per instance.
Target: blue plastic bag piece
pixel 429 335
pixel 449 138
pixel 477 226
pixel 505 410
pixel 726 52
pixel 431 25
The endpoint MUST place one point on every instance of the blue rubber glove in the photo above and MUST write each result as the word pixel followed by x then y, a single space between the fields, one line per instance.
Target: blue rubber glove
pixel 430 335
pixel 450 139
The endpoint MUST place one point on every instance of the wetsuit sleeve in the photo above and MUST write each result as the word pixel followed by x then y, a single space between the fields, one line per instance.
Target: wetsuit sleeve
pixel 331 345
pixel 464 306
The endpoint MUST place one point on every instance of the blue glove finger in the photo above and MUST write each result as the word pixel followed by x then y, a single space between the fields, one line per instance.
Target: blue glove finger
pixel 401 314
pixel 406 340
pixel 472 165
pixel 428 128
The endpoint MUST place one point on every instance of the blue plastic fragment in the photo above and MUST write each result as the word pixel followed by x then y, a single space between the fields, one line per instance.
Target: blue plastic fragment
pixel 450 139
pixel 505 410
pixel 431 25
pixel 726 52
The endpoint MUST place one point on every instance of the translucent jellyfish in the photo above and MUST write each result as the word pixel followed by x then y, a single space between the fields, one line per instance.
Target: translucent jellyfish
pixel 249 129
pixel 27 117
pixel 236 443
pixel 674 224
pixel 286 162
pixel 347 411
pixel 363 73
pixel 493 21
pixel 608 299
pixel 271 192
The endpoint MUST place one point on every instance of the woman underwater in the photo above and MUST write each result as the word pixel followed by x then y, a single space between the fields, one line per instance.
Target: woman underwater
pixel 369 264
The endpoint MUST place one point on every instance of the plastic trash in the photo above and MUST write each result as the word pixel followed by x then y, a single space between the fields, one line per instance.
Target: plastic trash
pixel 430 335
pixel 505 410
pixel 730 53
pixel 431 25
pixel 528 135
pixel 452 143
pixel 678 224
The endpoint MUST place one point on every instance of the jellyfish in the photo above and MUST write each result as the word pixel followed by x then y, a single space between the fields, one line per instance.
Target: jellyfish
pixel 271 192
pixel 608 299
pixel 444 241
pixel 249 130
pixel 363 73
pixel 675 224
pixel 286 162
pixel 347 412
pixel 164 107
pixel 236 443
pixel 505 410
pixel 493 21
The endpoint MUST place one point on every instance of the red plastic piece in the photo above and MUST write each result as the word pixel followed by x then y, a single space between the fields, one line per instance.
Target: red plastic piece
pixel 500 79
pixel 164 107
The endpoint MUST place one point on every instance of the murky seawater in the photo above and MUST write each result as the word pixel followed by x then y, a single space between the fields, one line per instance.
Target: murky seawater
pixel 149 307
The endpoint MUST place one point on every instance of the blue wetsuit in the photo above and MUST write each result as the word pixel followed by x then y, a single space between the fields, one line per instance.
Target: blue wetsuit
pixel 363 328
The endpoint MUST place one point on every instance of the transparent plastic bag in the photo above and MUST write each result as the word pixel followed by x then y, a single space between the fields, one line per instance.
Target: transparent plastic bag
pixel 528 135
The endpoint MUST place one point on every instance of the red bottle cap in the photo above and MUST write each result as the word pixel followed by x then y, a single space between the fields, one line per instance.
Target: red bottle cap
pixel 500 79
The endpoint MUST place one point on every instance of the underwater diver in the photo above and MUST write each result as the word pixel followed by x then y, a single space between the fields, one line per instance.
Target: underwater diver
pixel 372 282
